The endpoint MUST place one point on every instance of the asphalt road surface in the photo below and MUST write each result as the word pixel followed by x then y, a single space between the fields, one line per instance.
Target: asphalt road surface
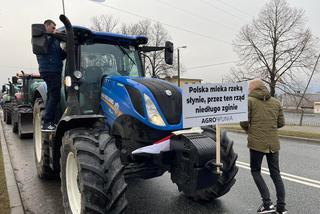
pixel 300 164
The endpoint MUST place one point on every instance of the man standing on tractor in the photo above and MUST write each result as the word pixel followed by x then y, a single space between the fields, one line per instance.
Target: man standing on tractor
pixel 50 67
pixel 265 117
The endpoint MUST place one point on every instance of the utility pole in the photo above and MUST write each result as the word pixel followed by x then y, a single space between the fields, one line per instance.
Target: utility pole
pixel 178 67
pixel 304 92
pixel 64 12
pixel 178 57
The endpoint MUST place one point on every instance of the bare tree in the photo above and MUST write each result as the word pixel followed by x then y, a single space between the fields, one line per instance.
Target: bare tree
pixel 157 36
pixel 276 47
pixel 140 28
pixel 104 23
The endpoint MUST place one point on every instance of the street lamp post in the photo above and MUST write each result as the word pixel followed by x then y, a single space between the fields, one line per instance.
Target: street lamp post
pixel 178 52
pixel 64 12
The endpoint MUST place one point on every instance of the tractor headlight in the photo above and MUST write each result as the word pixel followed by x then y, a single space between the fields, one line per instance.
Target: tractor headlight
pixel 77 74
pixel 67 81
pixel 152 112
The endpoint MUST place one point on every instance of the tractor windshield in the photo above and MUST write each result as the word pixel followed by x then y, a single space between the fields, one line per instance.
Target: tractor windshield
pixel 111 60
pixel 98 60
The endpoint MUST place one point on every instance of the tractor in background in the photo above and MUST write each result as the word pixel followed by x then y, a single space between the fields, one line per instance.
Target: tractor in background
pixel 22 111
pixel 8 99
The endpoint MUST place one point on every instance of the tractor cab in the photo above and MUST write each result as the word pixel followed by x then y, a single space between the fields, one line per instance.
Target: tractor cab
pixel 28 83
pixel 100 55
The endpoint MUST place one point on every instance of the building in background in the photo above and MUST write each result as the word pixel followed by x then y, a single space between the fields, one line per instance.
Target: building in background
pixel 310 101
pixel 183 81
pixel 316 107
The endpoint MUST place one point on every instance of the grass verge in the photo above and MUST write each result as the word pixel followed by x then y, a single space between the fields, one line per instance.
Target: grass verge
pixel 4 198
pixel 291 133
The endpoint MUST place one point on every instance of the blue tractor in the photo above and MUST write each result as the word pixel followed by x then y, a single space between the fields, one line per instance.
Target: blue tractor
pixel 114 124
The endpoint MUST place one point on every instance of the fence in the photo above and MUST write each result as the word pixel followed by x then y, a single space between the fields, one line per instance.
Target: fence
pixel 308 119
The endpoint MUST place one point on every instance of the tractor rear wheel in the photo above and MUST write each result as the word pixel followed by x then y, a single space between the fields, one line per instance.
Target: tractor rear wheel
pixel 4 115
pixel 41 146
pixel 92 178
pixel 8 117
pixel 13 122
pixel 14 127
pixel 229 169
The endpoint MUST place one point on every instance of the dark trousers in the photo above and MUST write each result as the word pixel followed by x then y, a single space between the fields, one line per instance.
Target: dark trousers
pixel 53 81
pixel 273 164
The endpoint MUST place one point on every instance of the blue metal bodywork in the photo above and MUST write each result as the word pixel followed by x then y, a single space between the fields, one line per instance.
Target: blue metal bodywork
pixel 115 99
pixel 107 37
pixel 116 102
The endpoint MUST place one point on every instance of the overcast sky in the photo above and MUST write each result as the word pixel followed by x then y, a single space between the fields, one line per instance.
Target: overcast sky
pixel 206 27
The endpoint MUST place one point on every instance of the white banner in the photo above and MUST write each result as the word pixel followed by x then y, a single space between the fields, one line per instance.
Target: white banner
pixel 209 104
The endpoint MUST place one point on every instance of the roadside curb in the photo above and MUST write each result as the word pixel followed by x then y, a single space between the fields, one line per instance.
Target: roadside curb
pixel 13 192
pixel 283 136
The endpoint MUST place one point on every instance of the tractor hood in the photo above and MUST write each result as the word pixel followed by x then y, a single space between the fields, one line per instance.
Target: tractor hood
pixel 166 97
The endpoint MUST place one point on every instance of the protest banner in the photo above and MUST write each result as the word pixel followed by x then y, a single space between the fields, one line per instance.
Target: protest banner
pixel 210 104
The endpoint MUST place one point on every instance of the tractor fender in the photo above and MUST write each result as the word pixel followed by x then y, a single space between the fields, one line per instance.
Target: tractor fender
pixel 41 91
pixel 67 123
pixel 75 121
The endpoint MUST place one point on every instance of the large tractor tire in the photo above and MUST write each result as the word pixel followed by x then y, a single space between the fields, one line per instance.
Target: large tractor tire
pixel 4 110
pixel 13 122
pixel 41 146
pixel 14 127
pixel 92 178
pixel 229 169
pixel 8 117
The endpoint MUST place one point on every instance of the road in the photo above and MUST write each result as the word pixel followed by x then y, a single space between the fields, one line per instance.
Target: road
pixel 159 195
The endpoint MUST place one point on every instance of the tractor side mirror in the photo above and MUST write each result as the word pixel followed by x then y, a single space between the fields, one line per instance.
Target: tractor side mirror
pixel 168 53
pixel 39 39
pixel 14 80
pixel 3 88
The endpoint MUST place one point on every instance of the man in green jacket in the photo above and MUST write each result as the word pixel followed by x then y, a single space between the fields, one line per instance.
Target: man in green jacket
pixel 265 117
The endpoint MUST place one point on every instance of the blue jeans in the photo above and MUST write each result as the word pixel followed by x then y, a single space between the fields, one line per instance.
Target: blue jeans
pixel 53 81
pixel 273 164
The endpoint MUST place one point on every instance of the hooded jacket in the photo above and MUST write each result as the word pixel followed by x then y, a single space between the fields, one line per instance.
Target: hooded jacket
pixel 265 117
pixel 52 61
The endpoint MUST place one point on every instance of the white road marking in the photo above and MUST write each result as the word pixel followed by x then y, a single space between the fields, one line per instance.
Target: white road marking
pixel 285 176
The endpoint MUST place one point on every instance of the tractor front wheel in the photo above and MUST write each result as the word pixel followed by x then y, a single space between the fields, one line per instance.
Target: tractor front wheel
pixel 92 179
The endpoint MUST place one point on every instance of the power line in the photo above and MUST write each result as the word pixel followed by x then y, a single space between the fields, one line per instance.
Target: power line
pixel 168 25
pixel 220 9
pixel 211 65
pixel 234 8
pixel 194 14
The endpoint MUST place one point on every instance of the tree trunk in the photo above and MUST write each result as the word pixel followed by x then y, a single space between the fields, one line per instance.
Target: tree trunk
pixel 272 87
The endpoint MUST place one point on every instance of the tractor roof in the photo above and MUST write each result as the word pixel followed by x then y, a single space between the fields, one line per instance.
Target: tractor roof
pixel 34 75
pixel 84 34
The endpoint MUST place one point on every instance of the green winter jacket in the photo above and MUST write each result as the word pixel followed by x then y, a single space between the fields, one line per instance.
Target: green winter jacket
pixel 265 117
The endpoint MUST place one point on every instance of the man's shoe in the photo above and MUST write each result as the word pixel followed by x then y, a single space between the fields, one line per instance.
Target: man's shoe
pixel 266 209
pixel 50 127
pixel 282 211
